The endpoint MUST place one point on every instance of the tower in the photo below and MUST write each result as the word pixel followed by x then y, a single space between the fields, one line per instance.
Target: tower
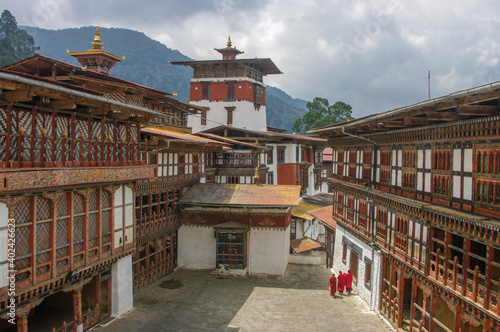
pixel 232 90
pixel 96 59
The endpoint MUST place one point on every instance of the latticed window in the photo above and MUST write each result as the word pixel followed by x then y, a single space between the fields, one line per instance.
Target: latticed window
pixel 78 228
pixel 92 223
pixel 408 180
pixel 352 156
pixel 441 184
pixel 62 232
pixel 385 176
pixel 22 216
pixel 381 223
pixel 43 222
pixel 441 159
pixel 409 158
pixel 385 158
pixel 105 221
pixel 367 157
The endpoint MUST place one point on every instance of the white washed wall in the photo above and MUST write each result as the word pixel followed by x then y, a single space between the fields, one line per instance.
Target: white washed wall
pixel 197 247
pixel 268 251
pixel 122 287
pixel 245 116
pixel 373 299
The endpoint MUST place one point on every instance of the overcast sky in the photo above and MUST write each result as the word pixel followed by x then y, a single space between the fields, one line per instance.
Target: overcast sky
pixel 374 54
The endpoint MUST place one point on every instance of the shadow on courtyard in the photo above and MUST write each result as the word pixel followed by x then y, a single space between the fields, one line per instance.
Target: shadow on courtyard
pixel 195 300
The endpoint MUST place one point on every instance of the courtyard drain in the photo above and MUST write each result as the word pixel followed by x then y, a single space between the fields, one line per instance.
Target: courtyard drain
pixel 171 284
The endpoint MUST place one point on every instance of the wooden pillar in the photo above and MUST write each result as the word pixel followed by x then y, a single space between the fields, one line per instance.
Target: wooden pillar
pixel 465 266
pixel 392 293
pixel 432 311
pixel 447 256
pixel 22 324
pixel 458 317
pixel 489 276
pixel 414 294
pixel 401 282
pixel 77 306
pixel 425 306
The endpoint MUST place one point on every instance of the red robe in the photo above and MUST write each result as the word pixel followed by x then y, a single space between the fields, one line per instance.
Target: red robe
pixel 333 285
pixel 348 281
pixel 341 283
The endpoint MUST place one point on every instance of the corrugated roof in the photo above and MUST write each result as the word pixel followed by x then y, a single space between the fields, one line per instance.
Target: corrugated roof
pixel 302 211
pixel 325 214
pixel 272 134
pixel 232 141
pixel 165 132
pixel 242 195
pixel 304 244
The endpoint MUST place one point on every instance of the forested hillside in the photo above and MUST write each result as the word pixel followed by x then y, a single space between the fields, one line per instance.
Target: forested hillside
pixel 146 62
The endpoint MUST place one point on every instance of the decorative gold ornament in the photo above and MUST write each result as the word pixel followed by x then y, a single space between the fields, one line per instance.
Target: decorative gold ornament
pixel 97 43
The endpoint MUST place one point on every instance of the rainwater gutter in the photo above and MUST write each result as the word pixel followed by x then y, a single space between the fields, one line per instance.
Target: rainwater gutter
pixel 53 87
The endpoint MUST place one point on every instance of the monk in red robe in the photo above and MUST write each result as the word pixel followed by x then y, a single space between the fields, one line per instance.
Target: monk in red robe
pixel 348 281
pixel 341 282
pixel 333 285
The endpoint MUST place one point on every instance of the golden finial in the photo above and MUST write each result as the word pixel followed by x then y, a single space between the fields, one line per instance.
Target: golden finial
pixel 229 44
pixel 97 43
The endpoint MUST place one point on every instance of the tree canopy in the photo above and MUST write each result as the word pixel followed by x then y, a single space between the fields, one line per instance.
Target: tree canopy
pixel 321 113
pixel 15 43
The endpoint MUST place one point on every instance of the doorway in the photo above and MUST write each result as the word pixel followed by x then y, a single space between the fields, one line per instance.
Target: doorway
pixel 354 266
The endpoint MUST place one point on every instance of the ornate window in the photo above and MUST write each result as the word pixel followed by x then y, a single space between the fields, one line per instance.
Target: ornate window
pixel 205 91
pixel 231 248
pixel 281 154
pixel 230 115
pixel 231 91
pixel 385 158
pixel 441 159
pixel 257 94
pixel 203 118
pixel 270 154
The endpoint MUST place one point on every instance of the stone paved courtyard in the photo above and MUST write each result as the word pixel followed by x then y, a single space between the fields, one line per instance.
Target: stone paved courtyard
pixel 188 300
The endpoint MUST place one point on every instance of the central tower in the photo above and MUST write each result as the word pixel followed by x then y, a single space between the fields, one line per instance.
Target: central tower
pixel 232 91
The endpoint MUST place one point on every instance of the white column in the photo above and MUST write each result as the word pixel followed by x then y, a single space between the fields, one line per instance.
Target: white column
pixel 122 287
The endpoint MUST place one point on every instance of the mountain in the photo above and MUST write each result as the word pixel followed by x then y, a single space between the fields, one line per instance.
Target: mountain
pixel 146 62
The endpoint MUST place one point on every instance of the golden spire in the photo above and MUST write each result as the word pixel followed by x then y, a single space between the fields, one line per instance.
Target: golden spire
pixel 97 43
pixel 229 44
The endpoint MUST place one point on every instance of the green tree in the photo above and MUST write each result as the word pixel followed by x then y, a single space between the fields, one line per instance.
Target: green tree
pixel 15 43
pixel 321 113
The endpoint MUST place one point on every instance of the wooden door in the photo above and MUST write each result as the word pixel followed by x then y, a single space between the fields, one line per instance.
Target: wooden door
pixel 354 266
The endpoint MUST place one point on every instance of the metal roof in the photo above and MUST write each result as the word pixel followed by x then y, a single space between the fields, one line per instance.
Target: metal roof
pixel 232 141
pixel 325 214
pixel 455 106
pixel 270 134
pixel 165 132
pixel 250 195
pixel 302 211
pixel 304 244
